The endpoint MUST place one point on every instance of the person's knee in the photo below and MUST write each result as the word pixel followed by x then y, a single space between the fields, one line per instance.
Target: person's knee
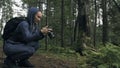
pixel 31 51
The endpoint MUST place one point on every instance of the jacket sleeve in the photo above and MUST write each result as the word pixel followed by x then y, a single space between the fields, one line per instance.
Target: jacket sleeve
pixel 27 35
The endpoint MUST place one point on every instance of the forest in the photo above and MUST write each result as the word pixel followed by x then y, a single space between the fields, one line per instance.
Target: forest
pixel 86 32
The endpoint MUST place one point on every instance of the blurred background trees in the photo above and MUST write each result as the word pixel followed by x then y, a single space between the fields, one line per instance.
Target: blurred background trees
pixel 76 23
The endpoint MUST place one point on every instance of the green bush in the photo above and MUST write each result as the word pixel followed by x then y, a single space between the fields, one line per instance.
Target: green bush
pixel 104 57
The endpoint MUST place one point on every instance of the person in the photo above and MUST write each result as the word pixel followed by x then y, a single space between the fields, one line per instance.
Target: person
pixel 24 43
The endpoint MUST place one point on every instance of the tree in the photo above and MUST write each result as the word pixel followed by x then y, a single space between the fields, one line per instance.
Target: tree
pixel 62 22
pixel 95 23
pixel 81 26
pixel 114 15
pixel 105 22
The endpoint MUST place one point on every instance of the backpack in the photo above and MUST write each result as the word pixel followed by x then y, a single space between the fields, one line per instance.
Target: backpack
pixel 10 26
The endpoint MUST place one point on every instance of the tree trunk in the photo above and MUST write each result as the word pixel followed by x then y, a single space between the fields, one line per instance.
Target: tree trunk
pixel 82 24
pixel 46 38
pixel 105 23
pixel 62 23
pixel 94 41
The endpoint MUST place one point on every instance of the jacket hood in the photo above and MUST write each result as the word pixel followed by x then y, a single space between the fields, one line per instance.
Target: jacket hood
pixel 31 14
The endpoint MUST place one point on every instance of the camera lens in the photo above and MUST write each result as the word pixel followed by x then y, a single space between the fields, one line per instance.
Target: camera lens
pixel 51 35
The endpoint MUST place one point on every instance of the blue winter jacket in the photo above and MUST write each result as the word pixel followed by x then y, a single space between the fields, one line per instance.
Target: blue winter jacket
pixel 27 33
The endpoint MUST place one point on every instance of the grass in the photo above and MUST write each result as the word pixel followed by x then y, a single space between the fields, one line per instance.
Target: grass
pixel 65 54
pixel 93 58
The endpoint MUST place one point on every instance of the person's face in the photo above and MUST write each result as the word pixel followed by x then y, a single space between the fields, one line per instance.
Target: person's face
pixel 38 17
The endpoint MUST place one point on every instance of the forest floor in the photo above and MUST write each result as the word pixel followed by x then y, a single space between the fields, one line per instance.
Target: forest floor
pixel 45 61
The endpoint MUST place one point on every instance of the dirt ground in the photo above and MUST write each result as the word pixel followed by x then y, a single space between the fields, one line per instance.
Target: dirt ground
pixel 42 61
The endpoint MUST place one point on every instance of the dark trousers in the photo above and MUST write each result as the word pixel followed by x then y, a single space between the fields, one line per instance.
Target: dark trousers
pixel 19 51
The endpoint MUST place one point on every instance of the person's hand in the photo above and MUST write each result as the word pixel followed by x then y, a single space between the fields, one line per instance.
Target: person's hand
pixel 45 30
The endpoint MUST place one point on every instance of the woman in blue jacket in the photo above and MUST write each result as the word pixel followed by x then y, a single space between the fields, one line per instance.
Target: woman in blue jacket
pixel 23 44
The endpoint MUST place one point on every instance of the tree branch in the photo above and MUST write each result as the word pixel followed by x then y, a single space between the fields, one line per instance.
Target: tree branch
pixel 117 5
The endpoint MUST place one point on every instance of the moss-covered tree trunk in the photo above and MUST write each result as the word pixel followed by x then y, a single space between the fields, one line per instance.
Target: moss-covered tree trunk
pixel 82 26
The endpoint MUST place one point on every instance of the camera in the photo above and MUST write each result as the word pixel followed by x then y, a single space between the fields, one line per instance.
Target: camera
pixel 51 35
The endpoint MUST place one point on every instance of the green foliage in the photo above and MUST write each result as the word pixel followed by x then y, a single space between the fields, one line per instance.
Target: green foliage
pixel 105 57
pixel 114 21
pixel 58 50
pixel 65 54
